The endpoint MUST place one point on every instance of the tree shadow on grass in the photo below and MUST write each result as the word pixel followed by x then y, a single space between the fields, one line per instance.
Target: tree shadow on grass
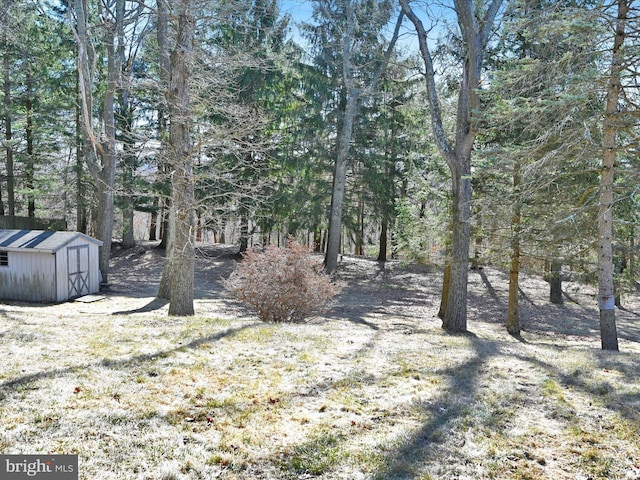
pixel 439 436
pixel 626 404
pixel 125 361
pixel 373 290
pixel 152 306
pixel 489 286
pixel 443 412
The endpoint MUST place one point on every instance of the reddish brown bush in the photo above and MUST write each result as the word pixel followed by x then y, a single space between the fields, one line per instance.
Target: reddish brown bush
pixel 282 284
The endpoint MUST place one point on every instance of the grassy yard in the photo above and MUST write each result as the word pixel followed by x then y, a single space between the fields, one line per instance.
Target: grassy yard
pixel 363 393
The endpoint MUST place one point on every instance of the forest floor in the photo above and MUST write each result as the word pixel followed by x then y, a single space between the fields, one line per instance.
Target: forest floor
pixel 375 389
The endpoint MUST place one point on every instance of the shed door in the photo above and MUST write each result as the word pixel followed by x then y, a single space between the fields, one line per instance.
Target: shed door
pixel 78 263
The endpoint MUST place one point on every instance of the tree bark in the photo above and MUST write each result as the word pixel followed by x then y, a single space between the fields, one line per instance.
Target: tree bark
pixel 446 282
pixel 126 120
pixel 384 238
pixel 606 294
pixel 340 181
pixel 8 123
pixel 513 310
pixel 108 152
pixel 555 282
pixel 153 227
pixel 244 227
pixel 166 225
pixel 164 64
pixel 317 240
pixel 455 315
pixel 29 170
pixel 183 198
pixel 359 247
pixel 81 207
pixel 128 237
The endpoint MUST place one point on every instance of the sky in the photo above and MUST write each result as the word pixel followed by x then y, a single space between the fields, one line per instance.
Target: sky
pixel 302 11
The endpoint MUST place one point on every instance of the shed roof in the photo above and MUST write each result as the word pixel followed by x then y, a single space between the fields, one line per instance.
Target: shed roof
pixel 39 240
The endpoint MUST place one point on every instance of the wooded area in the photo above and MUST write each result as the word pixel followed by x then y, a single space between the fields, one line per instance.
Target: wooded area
pixel 463 133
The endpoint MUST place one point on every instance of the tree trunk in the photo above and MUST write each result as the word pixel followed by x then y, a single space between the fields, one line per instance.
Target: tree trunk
pixel 103 173
pixel 340 181
pixel 164 225
pixel 359 247
pixel 345 133
pixel 184 215
pixel 164 290
pixel 384 239
pixel 513 311
pixel 555 283
pixel 513 314
pixel 128 165
pixel 317 240
pixel 128 237
pixel 166 228
pixel 606 294
pixel 29 170
pixel 455 315
pixel 199 227
pixel 476 263
pixel 244 228
pixel 153 223
pixel 164 64
pixel 446 282
pixel 8 133
pixel 632 253
pixel 81 207
pixel 108 152
pixel 619 267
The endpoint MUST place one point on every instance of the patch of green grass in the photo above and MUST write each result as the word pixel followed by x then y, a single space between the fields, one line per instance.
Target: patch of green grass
pixel 307 357
pixel 259 334
pixel 593 460
pixel 368 460
pixel 552 389
pixel 229 458
pixel 426 476
pixel 317 456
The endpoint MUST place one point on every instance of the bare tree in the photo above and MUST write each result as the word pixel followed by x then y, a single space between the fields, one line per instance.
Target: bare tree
pixel 475 34
pixel 101 159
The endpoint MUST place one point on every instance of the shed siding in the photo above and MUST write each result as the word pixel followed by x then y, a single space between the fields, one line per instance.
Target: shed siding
pixel 62 269
pixel 30 276
pixel 62 289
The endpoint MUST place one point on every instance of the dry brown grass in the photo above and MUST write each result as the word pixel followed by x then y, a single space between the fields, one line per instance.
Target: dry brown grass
pixel 374 390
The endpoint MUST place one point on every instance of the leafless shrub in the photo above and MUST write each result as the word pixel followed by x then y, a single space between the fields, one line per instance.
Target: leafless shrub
pixel 282 284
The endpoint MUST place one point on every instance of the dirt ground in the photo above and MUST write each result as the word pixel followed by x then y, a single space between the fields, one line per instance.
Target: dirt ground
pixel 392 289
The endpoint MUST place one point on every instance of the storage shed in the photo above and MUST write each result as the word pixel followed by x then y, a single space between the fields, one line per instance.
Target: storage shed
pixel 47 266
